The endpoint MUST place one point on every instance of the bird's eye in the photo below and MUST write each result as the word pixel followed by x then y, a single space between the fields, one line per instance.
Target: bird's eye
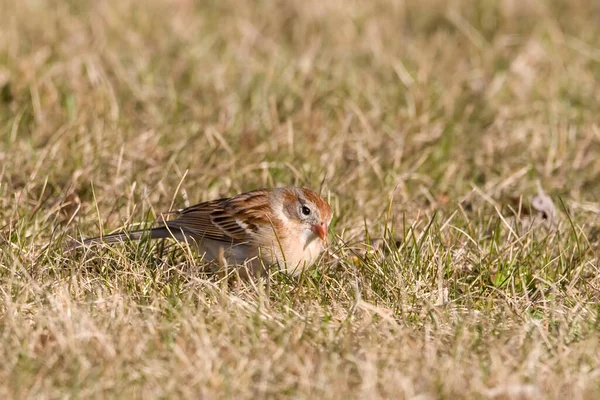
pixel 305 210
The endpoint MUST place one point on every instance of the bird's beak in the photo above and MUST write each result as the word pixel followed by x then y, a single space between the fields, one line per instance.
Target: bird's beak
pixel 320 230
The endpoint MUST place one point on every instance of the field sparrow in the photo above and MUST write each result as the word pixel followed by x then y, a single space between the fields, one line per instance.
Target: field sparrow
pixel 283 226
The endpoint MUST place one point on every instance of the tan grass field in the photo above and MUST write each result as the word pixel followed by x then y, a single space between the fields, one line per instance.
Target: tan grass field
pixel 424 123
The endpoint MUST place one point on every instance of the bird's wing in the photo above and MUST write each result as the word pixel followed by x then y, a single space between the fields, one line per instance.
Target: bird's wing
pixel 234 220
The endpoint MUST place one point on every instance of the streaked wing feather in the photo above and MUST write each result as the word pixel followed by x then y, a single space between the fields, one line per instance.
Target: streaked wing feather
pixel 198 225
pixel 230 220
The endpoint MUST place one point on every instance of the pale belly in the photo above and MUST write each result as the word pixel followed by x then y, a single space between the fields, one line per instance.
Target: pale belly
pixel 294 261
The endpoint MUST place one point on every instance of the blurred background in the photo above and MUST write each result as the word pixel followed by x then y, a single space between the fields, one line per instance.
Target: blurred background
pixel 417 100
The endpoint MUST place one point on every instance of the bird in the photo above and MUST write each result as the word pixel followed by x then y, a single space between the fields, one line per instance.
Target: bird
pixel 261 229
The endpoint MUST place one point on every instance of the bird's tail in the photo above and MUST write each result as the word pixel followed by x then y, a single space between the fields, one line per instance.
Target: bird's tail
pixel 154 233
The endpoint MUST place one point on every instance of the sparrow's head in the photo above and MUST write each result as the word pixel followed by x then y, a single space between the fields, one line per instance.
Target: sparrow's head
pixel 309 210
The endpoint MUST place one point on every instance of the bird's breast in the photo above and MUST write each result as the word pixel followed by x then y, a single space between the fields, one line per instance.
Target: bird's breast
pixel 299 255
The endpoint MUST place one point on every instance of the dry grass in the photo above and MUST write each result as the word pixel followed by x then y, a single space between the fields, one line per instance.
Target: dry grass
pixel 424 122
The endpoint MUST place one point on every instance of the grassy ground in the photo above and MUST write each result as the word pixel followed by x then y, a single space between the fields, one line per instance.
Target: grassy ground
pixel 424 123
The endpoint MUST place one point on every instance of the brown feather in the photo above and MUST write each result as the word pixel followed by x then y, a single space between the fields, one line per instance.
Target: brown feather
pixel 221 219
